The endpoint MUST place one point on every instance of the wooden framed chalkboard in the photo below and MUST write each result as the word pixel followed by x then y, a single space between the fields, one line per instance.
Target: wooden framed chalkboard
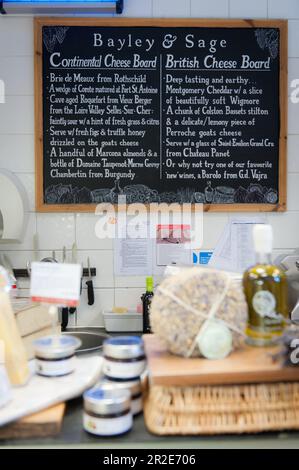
pixel 160 110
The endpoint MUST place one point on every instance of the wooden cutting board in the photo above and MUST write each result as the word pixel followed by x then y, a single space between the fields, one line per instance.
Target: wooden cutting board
pixel 45 423
pixel 248 365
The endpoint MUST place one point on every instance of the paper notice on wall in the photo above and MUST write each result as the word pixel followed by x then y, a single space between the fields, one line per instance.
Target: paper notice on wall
pixel 234 250
pixel 173 244
pixel 133 255
pixel 144 256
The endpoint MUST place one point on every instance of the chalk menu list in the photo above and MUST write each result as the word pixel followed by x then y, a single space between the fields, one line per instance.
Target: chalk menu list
pixel 158 114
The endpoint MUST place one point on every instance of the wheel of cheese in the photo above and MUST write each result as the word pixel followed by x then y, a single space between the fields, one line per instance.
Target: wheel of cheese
pixel 184 301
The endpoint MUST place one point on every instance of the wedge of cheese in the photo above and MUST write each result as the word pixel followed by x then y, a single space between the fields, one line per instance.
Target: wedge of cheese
pixel 15 358
pixel 32 318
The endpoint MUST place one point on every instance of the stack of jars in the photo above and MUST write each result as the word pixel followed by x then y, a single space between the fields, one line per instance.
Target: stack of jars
pixel 110 406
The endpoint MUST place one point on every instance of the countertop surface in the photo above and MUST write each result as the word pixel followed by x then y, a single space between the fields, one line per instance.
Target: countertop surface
pixel 73 435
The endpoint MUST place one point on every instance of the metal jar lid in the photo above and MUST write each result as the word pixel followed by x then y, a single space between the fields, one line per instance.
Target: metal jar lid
pixel 106 401
pixel 124 347
pixel 134 386
pixel 56 346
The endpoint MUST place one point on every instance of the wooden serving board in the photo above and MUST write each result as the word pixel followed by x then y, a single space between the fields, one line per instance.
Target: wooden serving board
pixel 45 423
pixel 247 365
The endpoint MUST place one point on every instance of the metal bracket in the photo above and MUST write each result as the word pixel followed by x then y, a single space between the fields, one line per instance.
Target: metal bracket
pixel 119 6
pixel 24 273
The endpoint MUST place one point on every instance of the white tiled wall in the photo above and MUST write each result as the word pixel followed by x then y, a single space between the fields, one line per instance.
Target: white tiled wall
pixel 245 9
pixel 171 8
pixel 57 230
pixel 209 9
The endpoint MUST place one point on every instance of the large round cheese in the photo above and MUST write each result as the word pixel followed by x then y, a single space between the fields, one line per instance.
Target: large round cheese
pixel 184 301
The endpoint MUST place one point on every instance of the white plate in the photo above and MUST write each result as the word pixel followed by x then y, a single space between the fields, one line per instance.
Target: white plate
pixel 42 392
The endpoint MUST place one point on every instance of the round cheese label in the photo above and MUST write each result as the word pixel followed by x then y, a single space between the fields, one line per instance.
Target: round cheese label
pixel 215 340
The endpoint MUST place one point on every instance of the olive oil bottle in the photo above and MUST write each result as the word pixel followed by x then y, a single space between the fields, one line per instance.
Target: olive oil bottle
pixel 146 304
pixel 265 287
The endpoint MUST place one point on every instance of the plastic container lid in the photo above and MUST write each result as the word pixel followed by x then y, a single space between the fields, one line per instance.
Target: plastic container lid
pixel 56 346
pixel 123 347
pixel 107 400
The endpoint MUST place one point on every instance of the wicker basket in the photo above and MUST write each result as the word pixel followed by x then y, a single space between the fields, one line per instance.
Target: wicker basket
pixel 226 409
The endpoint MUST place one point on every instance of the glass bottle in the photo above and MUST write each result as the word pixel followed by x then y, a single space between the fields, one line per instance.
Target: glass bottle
pixel 146 303
pixel 265 287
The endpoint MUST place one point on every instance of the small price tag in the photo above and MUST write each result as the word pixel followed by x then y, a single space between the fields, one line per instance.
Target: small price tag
pixel 55 283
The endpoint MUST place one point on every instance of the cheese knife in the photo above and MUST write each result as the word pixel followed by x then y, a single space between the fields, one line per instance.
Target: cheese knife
pixel 64 310
pixel 73 310
pixel 89 283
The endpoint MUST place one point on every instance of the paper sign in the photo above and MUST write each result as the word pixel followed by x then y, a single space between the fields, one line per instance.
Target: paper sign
pixel 133 256
pixel 56 283
pixel 234 250
pixel 173 244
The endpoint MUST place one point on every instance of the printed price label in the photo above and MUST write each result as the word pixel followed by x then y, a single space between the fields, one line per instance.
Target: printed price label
pixel 55 283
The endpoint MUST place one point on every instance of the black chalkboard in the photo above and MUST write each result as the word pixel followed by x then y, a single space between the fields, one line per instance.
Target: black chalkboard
pixel 161 113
